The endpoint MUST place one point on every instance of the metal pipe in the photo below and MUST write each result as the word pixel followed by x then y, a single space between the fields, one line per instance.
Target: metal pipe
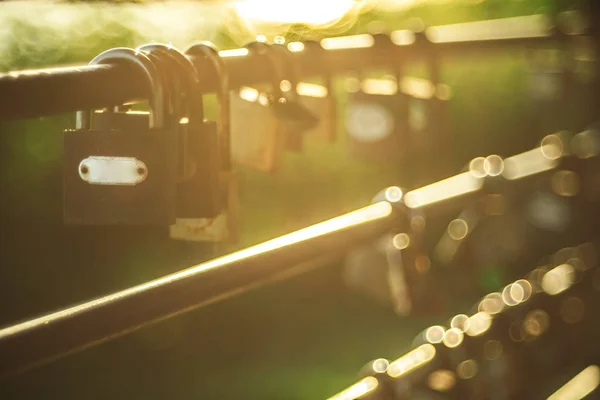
pixel 31 93
pixel 34 342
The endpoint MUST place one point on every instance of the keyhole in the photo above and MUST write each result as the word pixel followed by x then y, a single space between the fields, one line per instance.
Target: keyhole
pixel 84 169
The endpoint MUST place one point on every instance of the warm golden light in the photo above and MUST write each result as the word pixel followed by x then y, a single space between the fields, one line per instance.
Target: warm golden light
pixel 380 365
pixel 461 322
pixel 418 88
pixel 360 389
pixel 528 163
pixel 411 360
pixel 503 28
pixel 558 279
pixel 552 146
pixel 476 167
pixel 435 334
pixel 580 386
pixel 517 292
pixel 234 53
pixel 491 304
pixel 285 85
pixel 184 120
pixel 536 323
pixel 382 87
pixel 455 186
pixel 521 290
pixel 401 241
pixel 402 37
pixel 441 380
pixel 249 94
pixel 453 337
pixel 493 165
pixel 295 47
pixel 479 324
pixel 393 194
pixel 311 90
pixel 565 183
pixel 458 229
pixel 348 42
pixel 310 12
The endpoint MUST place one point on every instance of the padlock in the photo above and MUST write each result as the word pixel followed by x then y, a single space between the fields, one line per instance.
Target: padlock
pixel 199 186
pixel 223 227
pixel 262 121
pixel 319 98
pixel 122 176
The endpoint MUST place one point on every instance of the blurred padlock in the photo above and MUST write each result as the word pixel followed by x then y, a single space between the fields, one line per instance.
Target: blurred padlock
pixel 256 140
pixel 223 227
pixel 262 121
pixel 125 175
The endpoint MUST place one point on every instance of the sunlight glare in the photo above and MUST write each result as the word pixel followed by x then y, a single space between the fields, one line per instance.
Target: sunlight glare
pixel 311 12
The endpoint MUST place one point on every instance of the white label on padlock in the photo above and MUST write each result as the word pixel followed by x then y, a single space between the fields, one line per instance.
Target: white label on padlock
pixel 101 170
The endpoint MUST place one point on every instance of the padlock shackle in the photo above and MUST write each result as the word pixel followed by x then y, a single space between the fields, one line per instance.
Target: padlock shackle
pixel 189 75
pixel 267 51
pixel 156 86
pixel 210 52
pixel 184 95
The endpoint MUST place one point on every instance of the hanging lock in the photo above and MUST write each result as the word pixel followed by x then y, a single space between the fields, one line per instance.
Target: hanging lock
pixel 199 186
pixel 223 227
pixel 124 175
pixel 262 121
pixel 319 99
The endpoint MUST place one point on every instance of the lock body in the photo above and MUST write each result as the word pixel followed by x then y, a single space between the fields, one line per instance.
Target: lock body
pixel 198 195
pixel 119 176
pixel 256 137
pixel 222 228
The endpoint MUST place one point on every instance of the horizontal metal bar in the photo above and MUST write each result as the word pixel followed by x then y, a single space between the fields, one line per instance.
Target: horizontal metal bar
pixel 43 339
pixel 25 94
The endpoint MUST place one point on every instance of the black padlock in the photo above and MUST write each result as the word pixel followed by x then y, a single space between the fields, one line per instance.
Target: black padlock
pixel 198 189
pixel 124 175
pixel 222 228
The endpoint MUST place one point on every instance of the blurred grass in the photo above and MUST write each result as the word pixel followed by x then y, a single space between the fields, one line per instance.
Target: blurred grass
pixel 303 339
